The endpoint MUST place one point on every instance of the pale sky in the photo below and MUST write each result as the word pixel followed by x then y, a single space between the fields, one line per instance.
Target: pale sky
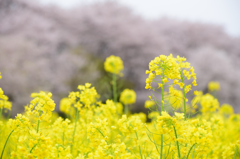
pixel 220 12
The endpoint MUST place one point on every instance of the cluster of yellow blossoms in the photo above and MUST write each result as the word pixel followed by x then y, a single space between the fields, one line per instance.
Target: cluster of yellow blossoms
pixel 128 96
pixel 169 68
pixel 213 86
pixel 101 130
pixel 113 64
pixel 41 106
pixel 4 103
pixel 171 73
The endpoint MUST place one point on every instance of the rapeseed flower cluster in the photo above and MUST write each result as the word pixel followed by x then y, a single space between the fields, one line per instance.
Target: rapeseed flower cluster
pixel 171 73
pixel 41 106
pixel 149 104
pixel 86 96
pixel 4 103
pixel 213 86
pixel 113 64
pixel 226 109
pixel 169 68
pixel 104 130
pixel 128 96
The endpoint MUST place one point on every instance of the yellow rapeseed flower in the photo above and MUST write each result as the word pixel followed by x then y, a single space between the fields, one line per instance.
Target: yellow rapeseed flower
pixel 4 103
pixel 179 115
pixel 128 96
pixel 149 104
pixel 170 68
pixel 113 64
pixel 41 106
pixel 209 103
pixel 213 86
pixel 65 105
pixel 176 98
pixel 226 109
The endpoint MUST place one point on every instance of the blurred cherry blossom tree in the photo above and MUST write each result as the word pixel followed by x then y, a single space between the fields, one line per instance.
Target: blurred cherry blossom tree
pixel 46 48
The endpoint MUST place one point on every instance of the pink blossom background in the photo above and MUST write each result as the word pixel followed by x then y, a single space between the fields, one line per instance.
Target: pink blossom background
pixel 53 49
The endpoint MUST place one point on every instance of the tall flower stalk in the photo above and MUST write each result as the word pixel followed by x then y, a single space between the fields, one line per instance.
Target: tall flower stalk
pixel 113 64
pixel 173 72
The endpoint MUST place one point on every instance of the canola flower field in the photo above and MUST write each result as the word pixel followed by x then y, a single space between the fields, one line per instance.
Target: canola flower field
pixel 179 127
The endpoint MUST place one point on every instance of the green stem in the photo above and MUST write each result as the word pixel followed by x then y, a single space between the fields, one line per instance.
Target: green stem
pixel 0 113
pixel 193 152
pixel 100 132
pixel 236 151
pixel 6 143
pixel 139 146
pixel 161 146
pixel 153 142
pixel 190 150
pixel 63 138
pixel 184 97
pixel 158 106
pixel 114 81
pixel 75 126
pixel 168 150
pixel 33 148
pixel 162 102
pixel 38 126
pixel 126 109
pixel 179 155
pixel 162 108
pixel 38 121
pixel 9 114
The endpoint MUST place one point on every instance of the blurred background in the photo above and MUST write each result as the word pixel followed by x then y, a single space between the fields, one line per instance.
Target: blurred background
pixel 54 45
